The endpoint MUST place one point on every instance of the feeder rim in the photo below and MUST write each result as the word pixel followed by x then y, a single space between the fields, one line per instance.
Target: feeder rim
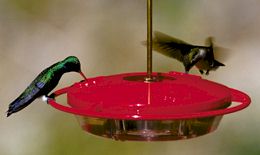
pixel 236 96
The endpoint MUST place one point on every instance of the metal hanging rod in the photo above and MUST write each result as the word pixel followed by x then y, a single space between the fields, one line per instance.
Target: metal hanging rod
pixel 149 40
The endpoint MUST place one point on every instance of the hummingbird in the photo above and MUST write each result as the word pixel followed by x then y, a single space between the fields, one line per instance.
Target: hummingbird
pixel 200 56
pixel 45 82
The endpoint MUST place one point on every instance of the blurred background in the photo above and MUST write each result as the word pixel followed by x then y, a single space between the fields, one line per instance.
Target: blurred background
pixel 105 35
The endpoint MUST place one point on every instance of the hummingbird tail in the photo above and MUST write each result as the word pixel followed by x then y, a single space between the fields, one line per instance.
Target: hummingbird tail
pixel 10 110
pixel 19 104
pixel 8 113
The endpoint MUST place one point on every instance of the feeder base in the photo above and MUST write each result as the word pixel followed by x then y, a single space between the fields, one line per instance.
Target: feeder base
pixel 149 130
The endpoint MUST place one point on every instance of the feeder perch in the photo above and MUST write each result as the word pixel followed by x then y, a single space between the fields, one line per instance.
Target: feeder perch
pixel 150 106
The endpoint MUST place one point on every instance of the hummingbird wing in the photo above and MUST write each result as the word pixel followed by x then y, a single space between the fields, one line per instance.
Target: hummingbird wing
pixel 209 41
pixel 220 53
pixel 170 46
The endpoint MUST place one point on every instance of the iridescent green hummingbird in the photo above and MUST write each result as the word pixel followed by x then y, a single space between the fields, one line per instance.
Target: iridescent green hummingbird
pixel 200 56
pixel 45 82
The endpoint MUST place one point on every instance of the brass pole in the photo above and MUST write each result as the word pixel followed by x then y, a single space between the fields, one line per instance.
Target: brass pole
pixel 149 39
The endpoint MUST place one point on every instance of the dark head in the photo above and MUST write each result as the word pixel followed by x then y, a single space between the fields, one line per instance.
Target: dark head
pixel 215 64
pixel 72 64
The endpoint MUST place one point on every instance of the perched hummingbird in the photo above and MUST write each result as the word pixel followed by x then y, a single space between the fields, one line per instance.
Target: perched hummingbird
pixel 200 56
pixel 45 82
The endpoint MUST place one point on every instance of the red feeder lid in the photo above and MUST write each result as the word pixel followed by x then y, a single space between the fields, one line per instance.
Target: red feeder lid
pixel 173 95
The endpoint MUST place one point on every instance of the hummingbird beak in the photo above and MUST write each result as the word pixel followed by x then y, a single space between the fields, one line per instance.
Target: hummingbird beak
pixel 82 74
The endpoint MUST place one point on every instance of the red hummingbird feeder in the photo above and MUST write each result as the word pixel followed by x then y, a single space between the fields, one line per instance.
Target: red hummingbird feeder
pixel 149 106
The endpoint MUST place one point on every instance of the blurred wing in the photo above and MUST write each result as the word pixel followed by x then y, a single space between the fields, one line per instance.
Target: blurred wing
pixel 170 46
pixel 220 53
pixel 166 38
pixel 209 41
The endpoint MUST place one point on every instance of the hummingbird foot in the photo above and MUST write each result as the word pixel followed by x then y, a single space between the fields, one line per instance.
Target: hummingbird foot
pixel 52 96
pixel 45 98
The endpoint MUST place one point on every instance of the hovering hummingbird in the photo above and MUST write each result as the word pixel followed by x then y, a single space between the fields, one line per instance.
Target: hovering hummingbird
pixel 45 82
pixel 200 56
